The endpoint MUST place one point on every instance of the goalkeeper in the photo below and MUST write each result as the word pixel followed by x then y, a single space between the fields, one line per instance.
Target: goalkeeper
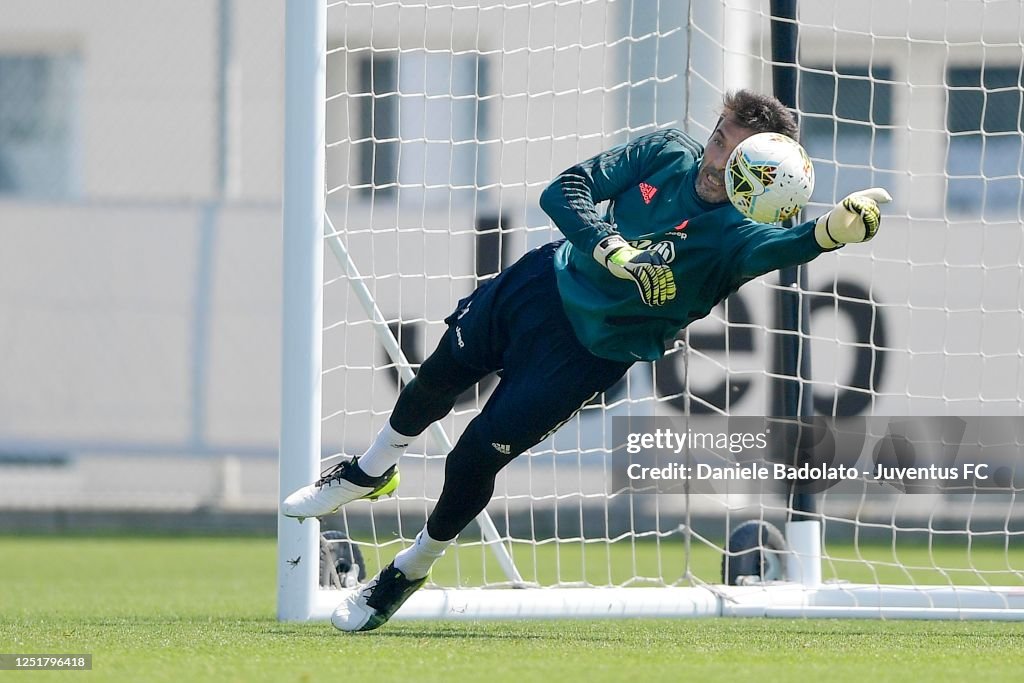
pixel 568 319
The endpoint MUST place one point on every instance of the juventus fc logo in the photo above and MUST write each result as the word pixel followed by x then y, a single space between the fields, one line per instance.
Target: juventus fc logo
pixel 666 250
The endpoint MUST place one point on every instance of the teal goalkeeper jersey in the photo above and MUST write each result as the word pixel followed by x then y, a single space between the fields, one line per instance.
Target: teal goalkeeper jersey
pixel 712 248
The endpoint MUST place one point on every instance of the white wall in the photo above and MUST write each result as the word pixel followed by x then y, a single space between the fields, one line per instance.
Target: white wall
pixel 108 340
pixel 148 120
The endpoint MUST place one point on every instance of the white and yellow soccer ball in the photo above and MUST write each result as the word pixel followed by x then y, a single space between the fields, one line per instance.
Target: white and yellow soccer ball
pixel 769 177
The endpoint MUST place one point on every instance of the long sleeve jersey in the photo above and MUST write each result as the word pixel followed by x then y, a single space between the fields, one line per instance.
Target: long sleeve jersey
pixel 652 202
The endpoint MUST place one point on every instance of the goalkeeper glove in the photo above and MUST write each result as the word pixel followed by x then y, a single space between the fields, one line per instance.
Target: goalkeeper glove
pixel 855 219
pixel 646 267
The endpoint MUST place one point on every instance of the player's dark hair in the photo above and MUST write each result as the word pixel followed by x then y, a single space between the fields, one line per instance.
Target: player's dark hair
pixel 762 113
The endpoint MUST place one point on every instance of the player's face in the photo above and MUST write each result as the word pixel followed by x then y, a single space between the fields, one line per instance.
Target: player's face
pixel 710 183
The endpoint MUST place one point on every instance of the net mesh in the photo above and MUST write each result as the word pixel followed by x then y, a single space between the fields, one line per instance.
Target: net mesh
pixel 445 120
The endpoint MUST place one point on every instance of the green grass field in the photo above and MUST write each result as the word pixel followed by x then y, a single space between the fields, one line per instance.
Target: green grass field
pixel 198 609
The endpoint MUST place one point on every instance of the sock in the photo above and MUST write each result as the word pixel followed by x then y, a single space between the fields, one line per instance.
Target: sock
pixel 385 451
pixel 416 560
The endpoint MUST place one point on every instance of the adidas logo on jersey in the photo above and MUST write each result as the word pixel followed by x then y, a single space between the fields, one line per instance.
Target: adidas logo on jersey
pixel 502 448
pixel 647 192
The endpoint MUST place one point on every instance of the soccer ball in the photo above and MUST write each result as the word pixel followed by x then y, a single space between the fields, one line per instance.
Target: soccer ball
pixel 769 177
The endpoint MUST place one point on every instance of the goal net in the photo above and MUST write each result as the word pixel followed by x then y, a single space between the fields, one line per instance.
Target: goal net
pixel 419 137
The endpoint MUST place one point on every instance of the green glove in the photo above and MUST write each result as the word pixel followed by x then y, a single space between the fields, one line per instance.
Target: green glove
pixel 855 219
pixel 646 267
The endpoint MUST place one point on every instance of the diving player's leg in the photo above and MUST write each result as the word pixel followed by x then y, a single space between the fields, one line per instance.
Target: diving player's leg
pixel 530 402
pixel 427 398
pixel 469 350
pixel 528 405
pixel 469 484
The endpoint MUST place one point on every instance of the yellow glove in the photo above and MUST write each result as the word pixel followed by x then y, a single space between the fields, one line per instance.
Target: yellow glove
pixel 646 267
pixel 855 219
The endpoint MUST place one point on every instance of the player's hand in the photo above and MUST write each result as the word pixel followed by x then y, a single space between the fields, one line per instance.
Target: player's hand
pixel 855 219
pixel 648 269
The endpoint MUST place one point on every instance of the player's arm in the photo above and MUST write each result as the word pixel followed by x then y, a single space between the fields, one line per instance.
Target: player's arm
pixel 571 201
pixel 854 219
pixel 572 197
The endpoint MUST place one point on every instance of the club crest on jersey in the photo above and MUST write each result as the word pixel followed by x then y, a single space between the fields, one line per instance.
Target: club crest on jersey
pixel 647 192
pixel 667 251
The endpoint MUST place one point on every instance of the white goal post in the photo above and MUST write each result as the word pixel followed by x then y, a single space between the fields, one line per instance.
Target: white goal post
pixel 418 136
